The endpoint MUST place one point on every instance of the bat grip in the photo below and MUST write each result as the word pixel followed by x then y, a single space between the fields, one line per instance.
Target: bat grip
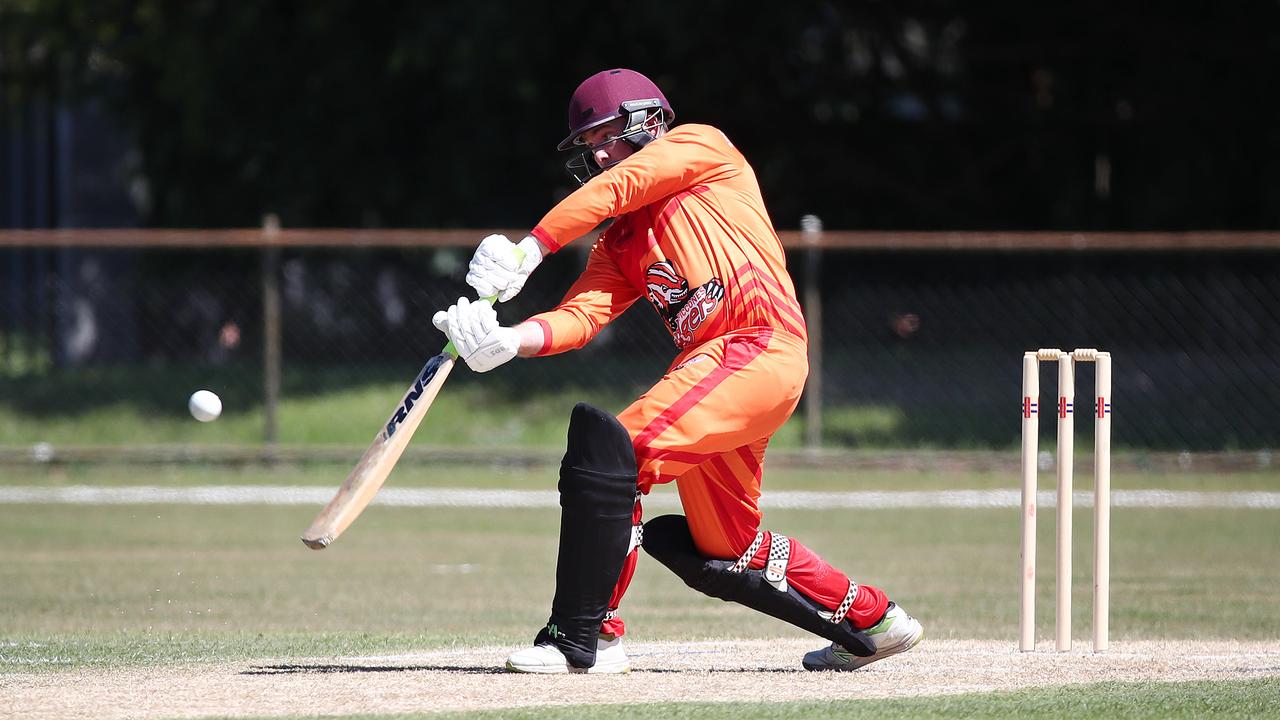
pixel 449 349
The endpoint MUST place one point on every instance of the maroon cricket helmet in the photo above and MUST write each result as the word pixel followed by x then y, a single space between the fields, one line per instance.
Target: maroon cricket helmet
pixel 609 95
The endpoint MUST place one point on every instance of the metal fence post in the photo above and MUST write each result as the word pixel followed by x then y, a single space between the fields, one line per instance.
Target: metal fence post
pixel 811 225
pixel 271 343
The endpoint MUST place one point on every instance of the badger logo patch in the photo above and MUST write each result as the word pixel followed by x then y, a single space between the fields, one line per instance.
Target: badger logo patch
pixel 683 310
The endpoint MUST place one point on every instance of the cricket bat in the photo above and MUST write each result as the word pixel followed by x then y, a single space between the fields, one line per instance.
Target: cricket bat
pixel 375 465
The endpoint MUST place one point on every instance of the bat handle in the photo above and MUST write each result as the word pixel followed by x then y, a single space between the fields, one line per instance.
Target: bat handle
pixel 449 349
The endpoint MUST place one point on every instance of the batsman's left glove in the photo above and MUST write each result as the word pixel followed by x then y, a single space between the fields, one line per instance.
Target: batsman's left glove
pixel 500 267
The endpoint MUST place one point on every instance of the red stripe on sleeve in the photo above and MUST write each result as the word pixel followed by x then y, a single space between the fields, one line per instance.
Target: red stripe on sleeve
pixel 546 336
pixel 545 238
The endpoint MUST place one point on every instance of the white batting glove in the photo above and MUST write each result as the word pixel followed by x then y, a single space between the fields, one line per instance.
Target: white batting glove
pixel 476 335
pixel 496 267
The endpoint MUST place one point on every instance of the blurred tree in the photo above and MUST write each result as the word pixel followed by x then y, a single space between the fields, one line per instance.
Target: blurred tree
pixel 875 115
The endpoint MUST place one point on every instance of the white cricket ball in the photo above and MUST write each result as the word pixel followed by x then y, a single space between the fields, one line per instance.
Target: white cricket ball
pixel 204 405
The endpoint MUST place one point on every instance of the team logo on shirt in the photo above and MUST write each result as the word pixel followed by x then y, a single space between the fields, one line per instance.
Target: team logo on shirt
pixel 684 311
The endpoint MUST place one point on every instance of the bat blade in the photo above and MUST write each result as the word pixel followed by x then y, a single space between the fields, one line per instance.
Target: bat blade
pixel 377 462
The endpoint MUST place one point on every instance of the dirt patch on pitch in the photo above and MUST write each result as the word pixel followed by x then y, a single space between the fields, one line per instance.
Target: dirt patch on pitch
pixel 471 678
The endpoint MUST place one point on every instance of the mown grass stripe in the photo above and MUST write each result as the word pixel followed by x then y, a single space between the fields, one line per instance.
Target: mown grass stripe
pixel 465 497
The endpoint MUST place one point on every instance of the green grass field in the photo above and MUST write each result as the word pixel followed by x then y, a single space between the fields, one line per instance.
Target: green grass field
pixel 141 585
pixel 132 405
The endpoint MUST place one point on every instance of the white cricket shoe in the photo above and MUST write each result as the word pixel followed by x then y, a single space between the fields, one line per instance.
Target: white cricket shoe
pixel 897 632
pixel 547 658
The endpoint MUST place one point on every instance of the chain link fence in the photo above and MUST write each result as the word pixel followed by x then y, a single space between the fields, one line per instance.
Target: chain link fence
pixel 920 344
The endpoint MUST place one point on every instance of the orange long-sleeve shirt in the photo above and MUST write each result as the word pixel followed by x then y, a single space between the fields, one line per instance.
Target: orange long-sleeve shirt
pixel 692 236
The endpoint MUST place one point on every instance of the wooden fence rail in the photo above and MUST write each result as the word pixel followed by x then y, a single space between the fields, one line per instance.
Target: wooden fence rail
pixel 1003 241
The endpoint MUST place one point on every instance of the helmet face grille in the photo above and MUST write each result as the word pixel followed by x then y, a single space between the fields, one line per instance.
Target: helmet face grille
pixel 609 95
pixel 638 132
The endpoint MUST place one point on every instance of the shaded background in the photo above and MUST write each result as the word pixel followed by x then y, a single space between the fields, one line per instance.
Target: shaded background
pixel 944 115
pixel 935 116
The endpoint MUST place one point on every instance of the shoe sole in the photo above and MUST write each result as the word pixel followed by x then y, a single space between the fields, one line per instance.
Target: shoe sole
pixel 863 662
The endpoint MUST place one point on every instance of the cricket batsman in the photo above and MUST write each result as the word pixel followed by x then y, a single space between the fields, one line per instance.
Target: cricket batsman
pixel 691 237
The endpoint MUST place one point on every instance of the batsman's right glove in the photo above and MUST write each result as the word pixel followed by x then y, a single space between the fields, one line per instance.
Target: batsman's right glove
pixel 474 330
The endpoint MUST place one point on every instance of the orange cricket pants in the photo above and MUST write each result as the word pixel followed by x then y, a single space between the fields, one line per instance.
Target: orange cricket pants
pixel 706 425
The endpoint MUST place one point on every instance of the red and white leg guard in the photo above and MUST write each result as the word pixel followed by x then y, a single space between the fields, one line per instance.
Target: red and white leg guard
pixel 766 579
pixel 788 560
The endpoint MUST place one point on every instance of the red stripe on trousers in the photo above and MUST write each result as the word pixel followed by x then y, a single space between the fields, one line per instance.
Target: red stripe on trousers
pixel 741 537
pixel 649 453
pixel 736 358
pixel 749 459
